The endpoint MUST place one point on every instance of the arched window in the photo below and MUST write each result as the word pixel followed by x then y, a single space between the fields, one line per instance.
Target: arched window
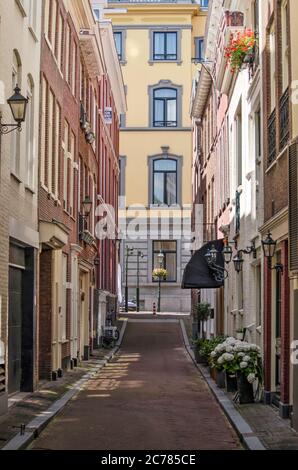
pixel 16 79
pixel 165 182
pixel 165 107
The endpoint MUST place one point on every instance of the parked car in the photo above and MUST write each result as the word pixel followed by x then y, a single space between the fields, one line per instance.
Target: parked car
pixel 132 305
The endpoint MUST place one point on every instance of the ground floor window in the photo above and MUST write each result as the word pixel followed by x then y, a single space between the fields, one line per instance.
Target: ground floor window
pixel 169 250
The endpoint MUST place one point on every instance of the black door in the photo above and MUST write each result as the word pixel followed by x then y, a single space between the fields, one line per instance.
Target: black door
pixel 15 330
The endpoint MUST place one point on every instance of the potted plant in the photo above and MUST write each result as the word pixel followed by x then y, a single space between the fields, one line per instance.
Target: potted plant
pixel 202 312
pixel 241 49
pixel 240 334
pixel 160 274
pixel 243 360
pixel 199 351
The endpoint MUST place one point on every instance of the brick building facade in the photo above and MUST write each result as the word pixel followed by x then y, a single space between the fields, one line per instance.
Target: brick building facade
pixel 79 170
pixel 277 137
pixel 19 65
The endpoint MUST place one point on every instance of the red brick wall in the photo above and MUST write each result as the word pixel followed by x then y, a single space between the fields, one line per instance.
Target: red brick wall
pixel 50 209
pixel 45 315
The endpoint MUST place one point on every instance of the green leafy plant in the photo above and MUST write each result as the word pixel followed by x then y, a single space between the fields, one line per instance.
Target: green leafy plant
pixel 203 311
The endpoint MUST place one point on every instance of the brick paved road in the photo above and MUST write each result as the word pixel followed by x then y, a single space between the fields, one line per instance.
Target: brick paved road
pixel 150 397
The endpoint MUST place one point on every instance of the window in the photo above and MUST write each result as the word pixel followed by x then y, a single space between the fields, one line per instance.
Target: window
pixel 67 53
pixel 65 146
pixel 71 171
pixel 285 46
pixel 63 316
pixel 204 4
pixel 259 295
pixel 15 136
pixel 43 130
pixel 50 130
pixel 122 165
pixel 59 43
pixel 30 141
pixel 272 67
pixel 239 147
pixel 33 14
pixel 169 250
pixel 118 42
pixel 165 107
pixel 199 48
pixel 165 181
pixel 165 46
pixel 73 68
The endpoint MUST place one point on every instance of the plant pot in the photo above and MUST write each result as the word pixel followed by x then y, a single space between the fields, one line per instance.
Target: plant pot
pixel 245 389
pixel 231 383
pixel 199 358
pixel 212 373
pixel 220 378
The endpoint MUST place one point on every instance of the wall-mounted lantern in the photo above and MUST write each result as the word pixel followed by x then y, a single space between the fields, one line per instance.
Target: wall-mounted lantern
pixel 18 106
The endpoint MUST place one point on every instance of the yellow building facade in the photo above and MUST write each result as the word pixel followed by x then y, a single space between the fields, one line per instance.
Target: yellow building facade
pixel 156 43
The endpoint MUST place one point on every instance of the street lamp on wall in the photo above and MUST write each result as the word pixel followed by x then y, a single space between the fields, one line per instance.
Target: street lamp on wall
pixel 87 205
pixel 269 249
pixel 18 106
pixel 238 262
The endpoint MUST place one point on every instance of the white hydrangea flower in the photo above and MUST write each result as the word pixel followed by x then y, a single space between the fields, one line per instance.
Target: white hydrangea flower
pixel 220 360
pixel 241 354
pixel 228 357
pixel 246 358
pixel 243 365
pixel 213 354
pixel 251 378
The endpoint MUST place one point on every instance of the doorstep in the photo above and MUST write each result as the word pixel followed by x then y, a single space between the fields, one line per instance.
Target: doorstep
pixel 259 426
pixel 39 408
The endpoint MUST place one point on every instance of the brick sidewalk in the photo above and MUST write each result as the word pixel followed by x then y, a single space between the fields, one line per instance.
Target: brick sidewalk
pixel 274 432
pixel 34 403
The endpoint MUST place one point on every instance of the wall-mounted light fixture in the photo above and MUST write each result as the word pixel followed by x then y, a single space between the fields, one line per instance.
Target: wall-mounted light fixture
pixel 18 106
pixel 269 248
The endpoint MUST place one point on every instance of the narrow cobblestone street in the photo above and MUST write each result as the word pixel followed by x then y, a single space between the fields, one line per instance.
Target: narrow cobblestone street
pixel 150 397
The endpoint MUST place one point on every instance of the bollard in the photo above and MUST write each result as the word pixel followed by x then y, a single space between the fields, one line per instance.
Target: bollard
pixel 154 308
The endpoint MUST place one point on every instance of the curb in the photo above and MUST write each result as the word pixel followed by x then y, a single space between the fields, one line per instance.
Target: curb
pixel 242 428
pixel 34 427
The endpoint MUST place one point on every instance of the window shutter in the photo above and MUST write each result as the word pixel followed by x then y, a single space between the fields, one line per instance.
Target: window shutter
pixel 293 206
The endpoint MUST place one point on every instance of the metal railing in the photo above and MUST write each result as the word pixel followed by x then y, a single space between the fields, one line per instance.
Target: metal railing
pixel 272 137
pixel 284 120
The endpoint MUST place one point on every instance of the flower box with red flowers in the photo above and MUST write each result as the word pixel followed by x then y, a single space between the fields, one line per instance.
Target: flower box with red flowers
pixel 241 49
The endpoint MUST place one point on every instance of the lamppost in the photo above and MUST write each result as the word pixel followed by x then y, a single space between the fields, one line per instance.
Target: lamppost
pixel 160 258
pixel 128 253
pixel 139 255
pixel 18 107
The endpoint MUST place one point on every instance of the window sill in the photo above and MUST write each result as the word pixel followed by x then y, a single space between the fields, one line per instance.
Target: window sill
pixel 177 62
pixel 279 157
pixel 16 177
pixel 33 33
pixel 165 207
pixel 30 190
pixel 21 8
